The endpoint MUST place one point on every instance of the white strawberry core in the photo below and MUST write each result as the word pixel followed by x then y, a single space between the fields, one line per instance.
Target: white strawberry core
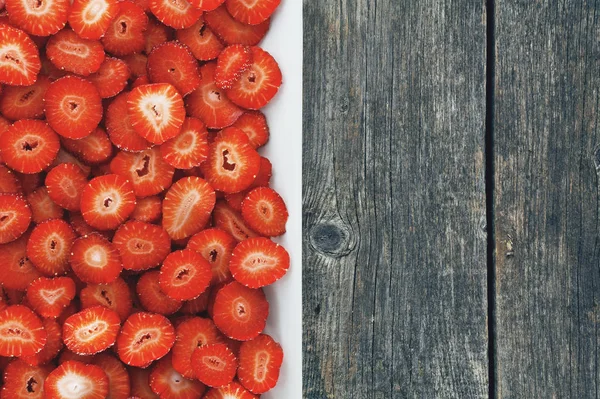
pixel 29 143
pixel 214 363
pixel 185 209
pixel 95 256
pixel 74 49
pixel 52 296
pixel 73 106
pixel 54 245
pixel 180 6
pixel 139 246
pixel 90 331
pixel 156 109
pixel 11 57
pixel 68 188
pixel 37 7
pixel 94 11
pixel 183 274
pixel 14 331
pixel 261 359
pixel 107 202
pixel 6 218
pixel 256 262
pixel 185 142
pixel 241 309
pixel 74 386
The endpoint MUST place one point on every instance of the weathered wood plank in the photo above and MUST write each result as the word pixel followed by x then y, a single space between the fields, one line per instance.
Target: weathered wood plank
pixel 394 199
pixel 546 209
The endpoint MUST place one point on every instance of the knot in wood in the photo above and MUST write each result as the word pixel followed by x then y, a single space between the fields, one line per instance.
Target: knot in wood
pixel 330 239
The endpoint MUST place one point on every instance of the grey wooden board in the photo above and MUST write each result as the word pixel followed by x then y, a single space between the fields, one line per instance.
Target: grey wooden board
pixel 546 203
pixel 395 297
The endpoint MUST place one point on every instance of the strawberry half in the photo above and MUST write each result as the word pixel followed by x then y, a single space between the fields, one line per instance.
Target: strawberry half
pixel 107 201
pixel 231 221
pixel 201 41
pixel 125 34
pixel 260 361
pixel 119 127
pixel 95 260
pixel 184 275
pixel 214 364
pixel 91 330
pixel 114 296
pixel 258 262
pixel 21 332
pixel 111 77
pixel 118 378
pixel 19 272
pixel 144 338
pixel 24 102
pixel 29 146
pixel 142 245
pixel 187 207
pixel 232 31
pixel 90 19
pixel 252 13
pixel 173 63
pixel 49 247
pixel 177 14
pixel 92 149
pixel 20 57
pixel 42 207
pixel 240 312
pixel 50 296
pixel 15 217
pixel 215 246
pixel 24 381
pixel 166 382
pixel 152 298
pixel 76 380
pixel 53 345
pixel 265 212
pixel 231 391
pixel 69 52
pixel 146 170
pixel 191 334
pixel 254 124
pixel 73 107
pixel 232 62
pixel 188 149
pixel 65 183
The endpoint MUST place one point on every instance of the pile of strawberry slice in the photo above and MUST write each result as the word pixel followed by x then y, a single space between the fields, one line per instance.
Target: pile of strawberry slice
pixel 136 215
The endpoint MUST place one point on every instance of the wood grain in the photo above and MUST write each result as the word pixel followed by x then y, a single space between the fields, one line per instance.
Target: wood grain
pixel 546 205
pixel 394 199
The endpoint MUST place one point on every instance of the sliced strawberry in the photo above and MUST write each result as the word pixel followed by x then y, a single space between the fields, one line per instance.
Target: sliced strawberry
pixel 140 81
pixel 206 5
pixel 95 260
pixel 76 380
pixel 90 19
pixel 156 34
pixel 53 345
pixel 125 34
pixel 215 246
pixel 30 181
pixel 137 64
pixel 264 174
pixel 65 183
pixel 231 221
pixel 260 361
pixel 41 18
pixel 191 334
pixel 147 209
pixel 188 149
pixel 259 83
pixel 140 384
pixel 24 102
pixel 235 32
pixel 20 57
pixel 92 149
pixel 240 312
pixel 142 245
pixel 107 201
pixel 119 127
pixel 166 382
pixel 187 207
pixel 9 182
pixel 184 275
pixel 50 296
pixel 15 217
pixel 66 157
pixel 91 330
pixel 214 364
pixel 231 391
pixel 252 13
pixel 115 296
pixel 201 41
pixel 29 146
pixel 79 225
pixel 254 124
pixel 24 381
pixel 173 62
pixel 232 163
pixel 196 305
pixel 152 298
pixel 177 14
pixel 49 247
pixel 67 51
pixel 235 200
pixel 210 104
pixel 73 107
pixel 144 338
pixel 21 332
pixel 118 378
pixel 232 62
pixel 265 212
pixel 67 356
pixel 146 170
pixel 48 69
pixel 111 77
pixel 156 111
pixel 42 207
pixel 19 272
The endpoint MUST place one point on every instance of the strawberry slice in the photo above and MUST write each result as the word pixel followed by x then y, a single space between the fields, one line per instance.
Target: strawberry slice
pixel 254 124
pixel 142 245
pixel 156 34
pixel 118 378
pixel 19 272
pixel 91 330
pixel 258 262
pixel 173 63
pixel 50 296
pixel 147 209
pixel 232 62
pixel 30 181
pixel 67 355
pixel 206 5
pixel 234 32
pixel 92 149
pixel 95 260
pixel 9 182
pixel 24 381
pixel 214 364
pixel 42 207
pixel 29 146
pixel 188 149
pixel 42 18
pixel 119 127
pixel 114 296
pixel 231 221
pixel 76 380
pixel 73 107
pixel 49 247
pixel 215 246
pixel 240 312
pixel 187 207
pixel 51 349
pixel 144 338
pixel 152 298
pixel 125 34
pixel 232 162
pixel 146 170
pixel 20 59
pixel 65 183
pixel 265 212
pixel 259 83
pixel 67 51
pixel 251 13
pixel 177 14
pixel 210 104
pixel 111 77
pixel 235 200
pixel 231 391
pixel 24 102
pixel 260 361
pixel 15 217
pixel 265 172
pixel 184 275
pixel 196 305
pixel 66 157
pixel 21 332
pixel 166 382
pixel 107 201
pixel 140 384
pixel 137 65
pixel 90 19
pixel 201 41
pixel 191 334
